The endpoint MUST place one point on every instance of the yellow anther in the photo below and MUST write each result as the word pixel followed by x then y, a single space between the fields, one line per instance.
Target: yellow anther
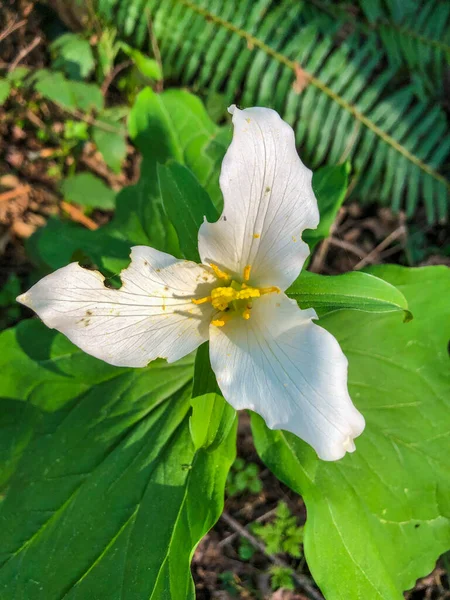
pixel 219 273
pixel 222 296
pixel 246 314
pixel 248 292
pixel 269 290
pixel 247 270
pixel 202 300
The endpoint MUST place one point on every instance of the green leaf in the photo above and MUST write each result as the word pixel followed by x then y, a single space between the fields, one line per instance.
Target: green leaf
pixel 379 518
pixel 211 421
pixel 109 136
pixel 88 190
pixel 330 187
pixel 204 378
pixel 194 139
pixel 107 496
pixel 17 75
pixel 68 94
pixel 5 88
pixel 186 204
pixel 145 65
pixel 354 290
pixel 73 55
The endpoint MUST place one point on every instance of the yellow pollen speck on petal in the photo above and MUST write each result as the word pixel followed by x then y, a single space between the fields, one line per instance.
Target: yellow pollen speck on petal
pixel 246 314
pixel 201 300
pixel 219 273
pixel 248 120
pixel 218 322
pixel 256 236
pixel 269 290
pixel 247 270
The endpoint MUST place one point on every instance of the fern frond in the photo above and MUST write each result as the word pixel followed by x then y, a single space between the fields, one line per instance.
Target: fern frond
pixel 254 51
pixel 416 36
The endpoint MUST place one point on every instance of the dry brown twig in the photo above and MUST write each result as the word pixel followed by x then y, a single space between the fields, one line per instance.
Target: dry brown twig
pixel 21 190
pixel 11 28
pixel 302 580
pixel 375 253
pixel 113 74
pixel 24 52
pixel 78 216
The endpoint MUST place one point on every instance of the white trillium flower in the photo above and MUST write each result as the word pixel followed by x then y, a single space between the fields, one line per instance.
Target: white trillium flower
pixel 267 354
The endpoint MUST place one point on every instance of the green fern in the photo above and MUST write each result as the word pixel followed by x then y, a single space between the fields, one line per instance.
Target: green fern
pixel 414 36
pixel 351 107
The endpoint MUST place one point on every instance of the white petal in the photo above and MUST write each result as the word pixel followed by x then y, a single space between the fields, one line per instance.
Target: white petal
pixel 150 316
pixel 269 201
pixel 290 371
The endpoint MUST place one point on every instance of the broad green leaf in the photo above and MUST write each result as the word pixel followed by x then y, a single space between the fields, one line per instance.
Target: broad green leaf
pixel 146 66
pixel 17 75
pixel 186 204
pixel 379 518
pixel 68 94
pixel 73 55
pixel 194 140
pixel 330 187
pixel 204 378
pixel 88 190
pixel 107 496
pixel 211 421
pixel 109 136
pixel 355 290
pixel 5 88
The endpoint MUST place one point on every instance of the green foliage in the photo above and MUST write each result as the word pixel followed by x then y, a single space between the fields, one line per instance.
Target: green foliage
pixel 243 477
pixel 346 108
pixel 283 534
pixel 148 67
pixel 281 577
pixel 246 550
pixel 330 185
pixel 354 290
pixel 379 518
pixel 71 95
pixel 88 190
pixel 102 476
pixel 10 311
pixel 181 193
pixel 5 88
pixel 73 55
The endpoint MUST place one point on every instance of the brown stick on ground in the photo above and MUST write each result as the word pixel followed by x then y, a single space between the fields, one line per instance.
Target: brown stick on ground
pixel 303 581
pixel 24 52
pixel 374 254
pixel 20 190
pixel 78 216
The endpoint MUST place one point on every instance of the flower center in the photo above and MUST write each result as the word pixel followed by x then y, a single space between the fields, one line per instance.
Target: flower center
pixel 233 299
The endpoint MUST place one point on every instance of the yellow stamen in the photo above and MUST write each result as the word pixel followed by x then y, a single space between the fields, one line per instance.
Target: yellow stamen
pixel 222 296
pixel 219 273
pixel 247 270
pixel 269 290
pixel 201 300
pixel 246 314
pixel 248 292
